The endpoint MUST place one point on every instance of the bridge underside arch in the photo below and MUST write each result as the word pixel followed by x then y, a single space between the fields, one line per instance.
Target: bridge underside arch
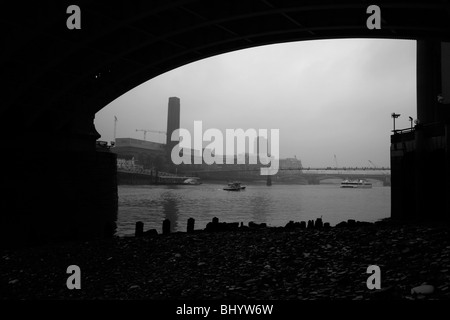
pixel 56 79
pixel 57 76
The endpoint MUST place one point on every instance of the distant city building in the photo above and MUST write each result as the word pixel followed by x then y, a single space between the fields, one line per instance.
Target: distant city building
pixel 145 153
pixel 290 163
pixel 148 154
pixel 129 166
pixel 140 144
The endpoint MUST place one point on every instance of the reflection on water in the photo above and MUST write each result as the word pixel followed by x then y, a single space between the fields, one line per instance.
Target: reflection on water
pixel 275 205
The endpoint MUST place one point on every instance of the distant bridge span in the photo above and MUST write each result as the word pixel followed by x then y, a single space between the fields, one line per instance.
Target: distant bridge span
pixel 317 170
pixel 315 175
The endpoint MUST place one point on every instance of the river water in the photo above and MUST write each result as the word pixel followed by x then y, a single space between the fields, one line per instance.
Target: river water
pixel 275 205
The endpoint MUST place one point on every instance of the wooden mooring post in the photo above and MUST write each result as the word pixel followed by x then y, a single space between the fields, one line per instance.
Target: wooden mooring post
pixel 190 225
pixel 139 230
pixel 166 226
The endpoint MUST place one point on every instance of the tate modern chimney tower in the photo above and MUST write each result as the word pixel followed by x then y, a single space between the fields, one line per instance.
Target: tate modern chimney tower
pixel 173 121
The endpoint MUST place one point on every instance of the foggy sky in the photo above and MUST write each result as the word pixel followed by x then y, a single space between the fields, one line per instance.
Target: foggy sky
pixel 327 97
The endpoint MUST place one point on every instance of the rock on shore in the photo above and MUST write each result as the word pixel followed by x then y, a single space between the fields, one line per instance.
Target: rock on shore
pixel 248 264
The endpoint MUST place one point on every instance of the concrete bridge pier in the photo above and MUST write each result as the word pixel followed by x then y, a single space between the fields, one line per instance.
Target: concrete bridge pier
pixel 56 185
pixel 431 169
pixel 420 170
pixel 447 170
pixel 420 166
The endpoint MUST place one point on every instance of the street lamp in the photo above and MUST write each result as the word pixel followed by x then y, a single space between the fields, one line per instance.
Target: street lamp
pixel 395 116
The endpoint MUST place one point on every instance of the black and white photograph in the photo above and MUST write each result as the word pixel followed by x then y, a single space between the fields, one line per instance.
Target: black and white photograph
pixel 223 158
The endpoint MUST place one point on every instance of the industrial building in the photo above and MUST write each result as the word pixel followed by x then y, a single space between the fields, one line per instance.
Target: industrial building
pixel 151 155
pixel 154 156
pixel 145 153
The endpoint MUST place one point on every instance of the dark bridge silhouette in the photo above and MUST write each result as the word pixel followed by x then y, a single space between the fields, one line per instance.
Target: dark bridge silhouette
pixel 56 79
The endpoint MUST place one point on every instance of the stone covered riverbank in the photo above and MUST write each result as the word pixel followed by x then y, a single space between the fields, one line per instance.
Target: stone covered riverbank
pixel 246 264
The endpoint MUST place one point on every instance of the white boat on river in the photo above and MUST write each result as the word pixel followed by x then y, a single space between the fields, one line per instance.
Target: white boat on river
pixel 355 184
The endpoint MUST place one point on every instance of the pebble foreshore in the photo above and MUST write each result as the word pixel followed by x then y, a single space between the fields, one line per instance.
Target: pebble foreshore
pixel 268 263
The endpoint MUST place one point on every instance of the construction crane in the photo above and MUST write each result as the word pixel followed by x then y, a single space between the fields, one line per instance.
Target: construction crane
pixel 145 132
pixel 336 164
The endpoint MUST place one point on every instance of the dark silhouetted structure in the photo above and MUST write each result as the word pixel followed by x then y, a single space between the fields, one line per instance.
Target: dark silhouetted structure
pixel 173 123
pixel 420 156
pixel 173 120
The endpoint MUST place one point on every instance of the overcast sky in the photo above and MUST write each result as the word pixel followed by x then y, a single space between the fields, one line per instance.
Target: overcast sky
pixel 327 97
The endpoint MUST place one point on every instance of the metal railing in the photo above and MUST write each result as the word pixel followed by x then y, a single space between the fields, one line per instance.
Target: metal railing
pixel 402 131
pixel 430 130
